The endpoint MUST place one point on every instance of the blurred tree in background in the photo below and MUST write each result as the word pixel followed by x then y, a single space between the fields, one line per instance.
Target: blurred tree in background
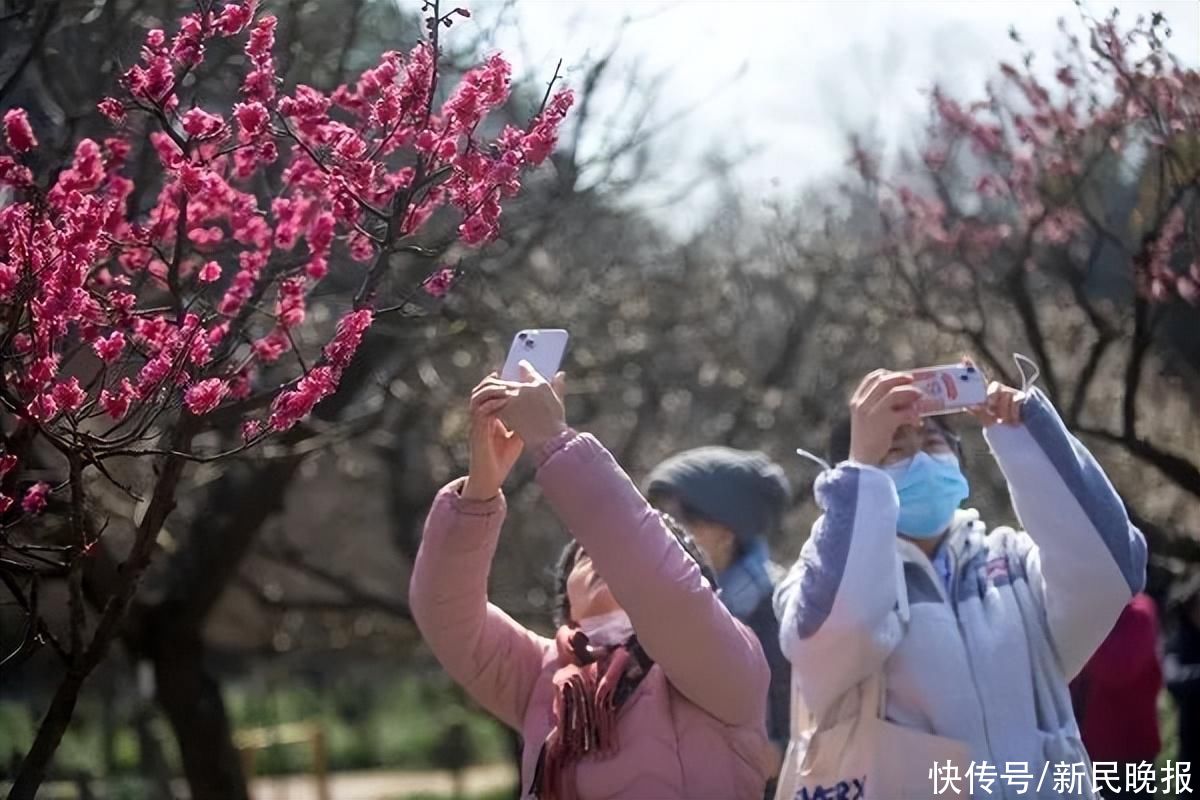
pixel 1062 221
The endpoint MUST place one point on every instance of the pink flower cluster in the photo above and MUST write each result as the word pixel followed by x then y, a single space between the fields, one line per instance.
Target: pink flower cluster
pixel 1158 277
pixel 18 132
pixel 133 311
pixel 480 180
pixel 35 498
pixel 204 396
pixel 294 405
pixel 1038 149
pixel 988 137
pixel 439 283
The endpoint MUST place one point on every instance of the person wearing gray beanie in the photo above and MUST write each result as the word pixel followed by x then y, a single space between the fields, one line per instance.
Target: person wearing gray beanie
pixel 730 501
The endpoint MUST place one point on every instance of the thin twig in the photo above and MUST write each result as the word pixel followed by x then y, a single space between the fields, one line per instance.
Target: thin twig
pixel 549 87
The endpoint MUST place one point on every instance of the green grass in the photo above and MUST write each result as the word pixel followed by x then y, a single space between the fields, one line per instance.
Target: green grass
pixel 1168 726
pixel 82 748
pixel 405 723
pixel 400 725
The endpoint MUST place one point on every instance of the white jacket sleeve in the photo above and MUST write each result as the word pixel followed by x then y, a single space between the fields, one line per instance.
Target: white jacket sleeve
pixel 836 607
pixel 1091 559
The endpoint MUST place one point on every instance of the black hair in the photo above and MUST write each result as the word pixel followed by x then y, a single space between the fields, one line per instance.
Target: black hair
pixel 570 554
pixel 839 438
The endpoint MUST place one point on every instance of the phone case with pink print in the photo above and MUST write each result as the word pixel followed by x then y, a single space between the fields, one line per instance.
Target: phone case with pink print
pixel 949 389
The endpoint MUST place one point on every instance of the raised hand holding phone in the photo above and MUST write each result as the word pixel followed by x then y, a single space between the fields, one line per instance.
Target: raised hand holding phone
pixel 882 403
pixel 1003 406
pixel 494 448
pixel 535 409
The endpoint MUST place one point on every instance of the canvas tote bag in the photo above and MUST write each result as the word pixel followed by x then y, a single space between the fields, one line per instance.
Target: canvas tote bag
pixel 854 753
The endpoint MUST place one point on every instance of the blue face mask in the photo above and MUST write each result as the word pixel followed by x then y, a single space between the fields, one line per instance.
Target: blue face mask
pixel 930 489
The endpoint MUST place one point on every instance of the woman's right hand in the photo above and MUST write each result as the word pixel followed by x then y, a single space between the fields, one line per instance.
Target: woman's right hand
pixel 882 403
pixel 494 448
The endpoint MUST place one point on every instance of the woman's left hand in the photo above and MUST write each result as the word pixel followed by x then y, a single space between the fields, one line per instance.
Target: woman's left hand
pixel 535 408
pixel 1003 406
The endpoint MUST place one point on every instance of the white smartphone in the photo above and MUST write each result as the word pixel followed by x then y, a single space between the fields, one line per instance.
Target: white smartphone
pixel 950 388
pixel 544 349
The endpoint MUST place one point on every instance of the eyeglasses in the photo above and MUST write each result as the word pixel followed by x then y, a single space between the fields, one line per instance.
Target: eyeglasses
pixel 929 438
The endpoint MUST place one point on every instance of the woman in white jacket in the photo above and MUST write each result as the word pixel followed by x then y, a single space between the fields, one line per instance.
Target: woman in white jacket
pixel 1000 619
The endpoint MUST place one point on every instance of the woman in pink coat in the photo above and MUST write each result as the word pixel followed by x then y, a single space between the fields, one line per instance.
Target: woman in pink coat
pixel 665 698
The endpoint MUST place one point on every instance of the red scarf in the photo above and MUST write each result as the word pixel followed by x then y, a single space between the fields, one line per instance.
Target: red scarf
pixel 590 686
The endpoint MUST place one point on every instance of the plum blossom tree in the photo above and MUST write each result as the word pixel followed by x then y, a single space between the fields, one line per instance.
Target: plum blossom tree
pixel 1063 216
pixel 126 331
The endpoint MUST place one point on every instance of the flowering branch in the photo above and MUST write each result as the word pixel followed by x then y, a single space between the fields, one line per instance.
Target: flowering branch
pixel 1019 188
pixel 125 333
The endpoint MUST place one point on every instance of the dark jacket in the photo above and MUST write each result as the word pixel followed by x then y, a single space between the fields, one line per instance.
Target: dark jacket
pixel 766 628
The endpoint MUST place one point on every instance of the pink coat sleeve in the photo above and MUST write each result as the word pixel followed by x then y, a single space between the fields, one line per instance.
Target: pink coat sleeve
pixel 495 659
pixel 714 660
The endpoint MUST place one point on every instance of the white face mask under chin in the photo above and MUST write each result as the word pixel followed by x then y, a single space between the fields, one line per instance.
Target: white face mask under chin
pixel 607 630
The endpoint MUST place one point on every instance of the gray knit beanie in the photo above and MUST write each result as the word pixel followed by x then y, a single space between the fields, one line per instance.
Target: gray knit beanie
pixel 743 490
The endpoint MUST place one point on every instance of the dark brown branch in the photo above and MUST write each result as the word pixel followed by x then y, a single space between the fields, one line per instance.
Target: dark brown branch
pixel 272 603
pixel 1086 376
pixel 1180 471
pixel 433 25
pixel 316 159
pixel 177 258
pixel 785 362
pixel 1138 346
pixel 30 606
pixel 26 647
pixel 20 11
pixel 49 16
pixel 1027 311
pixel 355 16
pixel 292 558
pixel 162 502
pixel 78 620
pixel 54 724
pixel 549 87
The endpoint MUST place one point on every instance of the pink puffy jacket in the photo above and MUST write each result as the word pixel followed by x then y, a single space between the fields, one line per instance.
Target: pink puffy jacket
pixel 694 728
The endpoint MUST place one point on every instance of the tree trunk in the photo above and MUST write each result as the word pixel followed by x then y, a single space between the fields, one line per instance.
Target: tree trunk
pixel 108 725
pixel 33 768
pixel 152 762
pixel 170 633
pixel 192 702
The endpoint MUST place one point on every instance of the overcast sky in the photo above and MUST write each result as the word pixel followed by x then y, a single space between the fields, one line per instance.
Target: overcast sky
pixel 789 78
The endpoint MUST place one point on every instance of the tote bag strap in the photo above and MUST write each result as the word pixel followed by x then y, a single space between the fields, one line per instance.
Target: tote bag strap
pixel 901 593
pixel 877 703
pixel 872 700
pixel 873 697
pixel 800 722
